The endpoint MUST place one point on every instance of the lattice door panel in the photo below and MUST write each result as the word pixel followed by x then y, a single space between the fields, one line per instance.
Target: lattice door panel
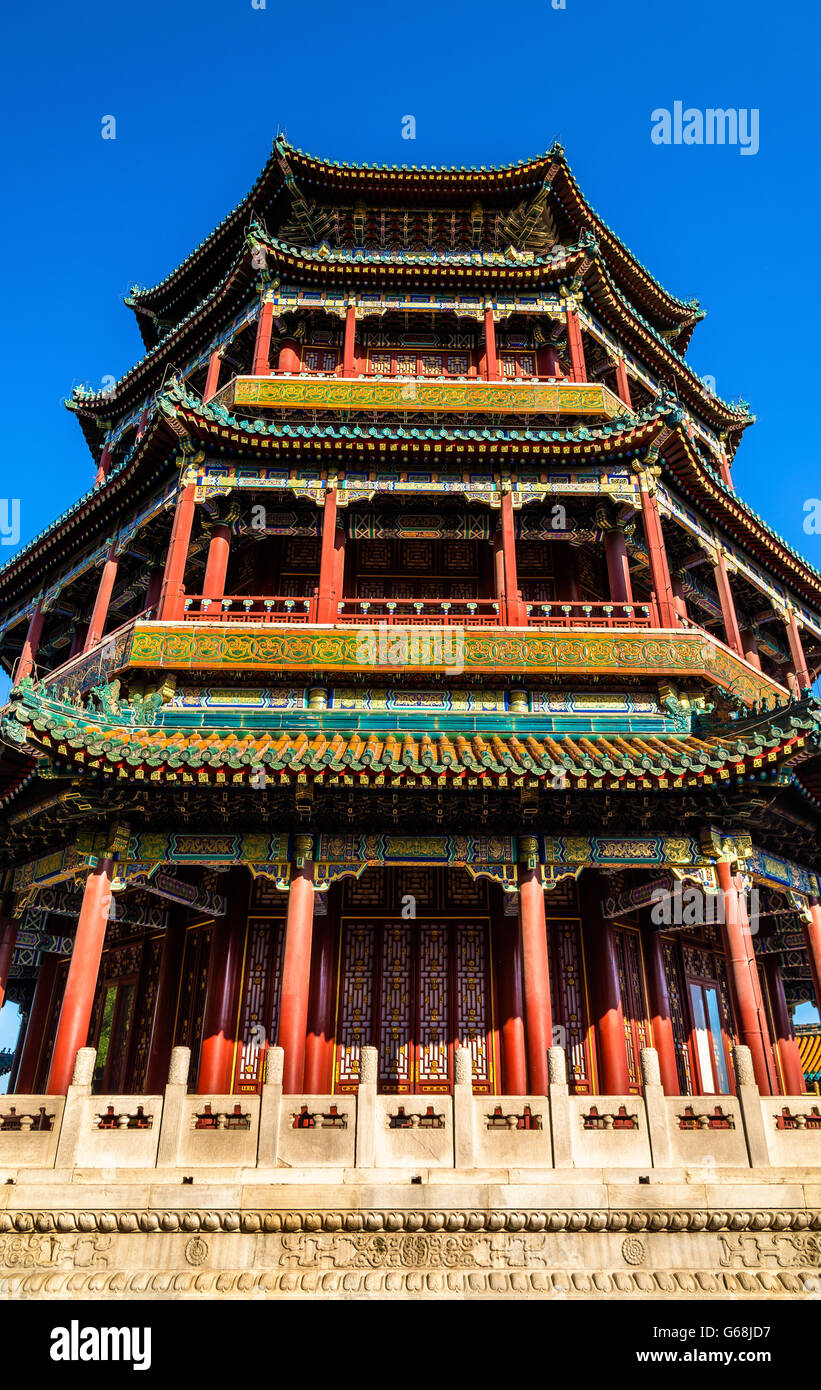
pixel 569 1002
pixel 259 1010
pixel 415 990
pixel 633 1000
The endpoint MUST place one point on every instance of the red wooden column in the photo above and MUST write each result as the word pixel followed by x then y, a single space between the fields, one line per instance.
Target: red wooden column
pixel 22 1081
pixel 750 647
pixel 330 562
pixel 8 938
pixel 262 345
pixel 75 1014
pixel 172 597
pixel 216 566
pixel 296 967
pixel 491 360
pixel 618 566
pixel 608 1015
pixel 103 466
pixel 499 578
pixel 547 361
pixel 743 973
pixel 319 1044
pixel 516 609
pixel 288 360
pixel 575 347
pixel 28 656
pixel 679 597
pixel 661 1021
pixel 657 553
pixel 799 660
pixel 728 614
pixel 219 1021
pixel 349 342
pixel 623 383
pixel 812 936
pixel 538 1016
pixel 99 615
pixel 508 937
pixel 153 588
pixel 162 1024
pixel 212 380
pixel 792 1072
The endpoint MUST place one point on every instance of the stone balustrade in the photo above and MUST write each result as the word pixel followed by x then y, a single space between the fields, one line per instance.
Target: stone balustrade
pixel 408 1132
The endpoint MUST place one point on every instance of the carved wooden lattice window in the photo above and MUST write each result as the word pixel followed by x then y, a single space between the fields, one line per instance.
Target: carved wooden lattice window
pixel 415 989
pixel 568 1001
pixel 259 1010
pixel 633 999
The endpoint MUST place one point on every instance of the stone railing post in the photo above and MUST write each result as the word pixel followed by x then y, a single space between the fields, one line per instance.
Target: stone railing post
pixel 463 1148
pixel 366 1107
pixel 74 1115
pixel 559 1097
pixel 749 1098
pixel 658 1131
pixel 270 1110
pixel 175 1093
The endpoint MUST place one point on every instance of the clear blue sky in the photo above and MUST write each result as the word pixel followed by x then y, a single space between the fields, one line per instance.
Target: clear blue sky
pixel 199 88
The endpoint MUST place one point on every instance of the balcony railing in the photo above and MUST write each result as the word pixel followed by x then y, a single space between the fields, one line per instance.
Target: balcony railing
pixel 429 612
pixel 249 608
pixel 577 614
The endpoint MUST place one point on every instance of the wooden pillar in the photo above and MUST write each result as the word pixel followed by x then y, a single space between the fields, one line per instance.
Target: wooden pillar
pixel 799 660
pixel 657 553
pixel 623 383
pixel 153 589
pixel 262 344
pixel 618 566
pixel 8 939
pixel 749 646
pixel 162 1025
pixel 319 1043
pixel 22 1080
pixel 606 1005
pixel 331 561
pixel 812 941
pixel 792 1071
pixel 491 361
pixel 499 577
pixel 78 1000
pixel 538 1017
pixel 516 609
pixel 679 598
pixel 28 656
pixel 743 975
pixel 547 361
pixel 216 566
pixel 575 347
pixel 566 572
pixel 508 936
pixel 661 1021
pixel 728 614
pixel 288 360
pixel 349 343
pixel 212 380
pixel 99 616
pixel 103 466
pixel 172 597
pixel 296 972
pixel 219 1022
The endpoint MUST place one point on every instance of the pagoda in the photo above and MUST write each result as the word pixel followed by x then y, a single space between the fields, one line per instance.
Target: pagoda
pixel 411 760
